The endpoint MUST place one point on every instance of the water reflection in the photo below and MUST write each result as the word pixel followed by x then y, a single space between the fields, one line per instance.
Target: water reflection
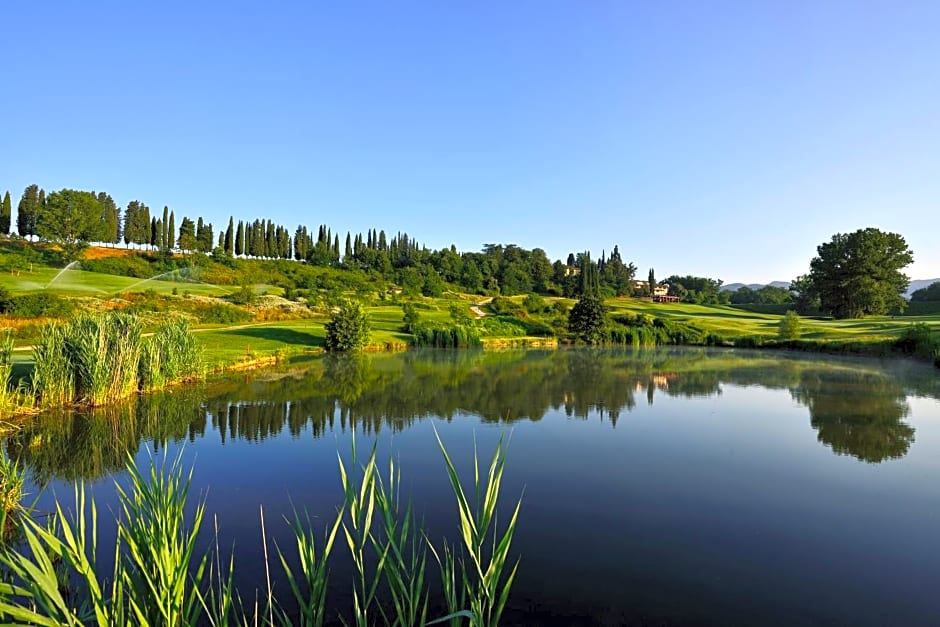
pixel 858 409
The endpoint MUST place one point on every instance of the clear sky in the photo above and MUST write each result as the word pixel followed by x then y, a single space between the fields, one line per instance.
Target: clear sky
pixel 722 139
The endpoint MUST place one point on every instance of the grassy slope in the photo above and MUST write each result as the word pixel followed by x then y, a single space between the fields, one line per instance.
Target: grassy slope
pixel 76 282
pixel 236 344
pixel 731 322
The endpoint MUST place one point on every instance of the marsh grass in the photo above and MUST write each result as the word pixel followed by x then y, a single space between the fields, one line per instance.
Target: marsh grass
pixel 52 379
pixel 99 359
pixel 104 352
pixel 457 336
pixel 160 578
pixel 7 395
pixel 12 482
pixel 169 356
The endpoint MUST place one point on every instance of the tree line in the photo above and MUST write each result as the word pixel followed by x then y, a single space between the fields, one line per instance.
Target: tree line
pixel 75 218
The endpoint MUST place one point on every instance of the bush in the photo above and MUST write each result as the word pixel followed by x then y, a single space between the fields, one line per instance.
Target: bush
pixel 789 328
pixel 410 317
pixel 348 328
pixel 503 306
pixel 244 296
pixel 918 340
pixel 587 320
pixel 535 304
pixel 219 313
pixel 41 305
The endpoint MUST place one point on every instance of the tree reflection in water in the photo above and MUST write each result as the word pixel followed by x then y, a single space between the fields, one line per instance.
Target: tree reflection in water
pixel 857 408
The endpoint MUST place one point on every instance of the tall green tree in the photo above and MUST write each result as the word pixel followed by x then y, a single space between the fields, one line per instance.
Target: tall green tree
pixel 587 320
pixel 859 274
pixel 6 214
pixel 651 283
pixel 110 227
pixel 240 239
pixel 187 237
pixel 27 211
pixel 70 218
pixel 166 233
pixel 228 245
pixel 171 231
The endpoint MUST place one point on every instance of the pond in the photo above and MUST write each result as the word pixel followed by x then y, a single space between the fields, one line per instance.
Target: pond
pixel 661 486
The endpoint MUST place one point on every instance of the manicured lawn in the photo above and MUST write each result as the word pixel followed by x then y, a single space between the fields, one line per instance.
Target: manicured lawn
pixel 228 345
pixel 731 322
pixel 76 282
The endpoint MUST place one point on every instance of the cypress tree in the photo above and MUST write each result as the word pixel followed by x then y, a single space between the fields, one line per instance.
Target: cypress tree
pixel 347 257
pixel 6 214
pixel 164 237
pixel 229 244
pixel 27 211
pixel 651 284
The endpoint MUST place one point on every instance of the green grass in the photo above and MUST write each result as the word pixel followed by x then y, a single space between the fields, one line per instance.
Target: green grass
pixel 77 282
pixel 224 346
pixel 731 322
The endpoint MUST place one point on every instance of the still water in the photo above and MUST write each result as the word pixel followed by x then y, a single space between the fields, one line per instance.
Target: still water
pixel 676 487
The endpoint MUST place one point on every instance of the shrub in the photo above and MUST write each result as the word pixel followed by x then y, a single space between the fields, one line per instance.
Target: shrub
pixel 348 328
pixel 534 304
pixel 410 317
pixel 917 339
pixel 587 320
pixel 6 300
pixel 244 296
pixel 789 328
pixel 41 305
pixel 502 306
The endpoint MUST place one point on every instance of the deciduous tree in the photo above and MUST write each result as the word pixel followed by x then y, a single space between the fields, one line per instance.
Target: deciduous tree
pixel 859 274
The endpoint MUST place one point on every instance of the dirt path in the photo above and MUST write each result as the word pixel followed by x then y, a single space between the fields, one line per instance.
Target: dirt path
pixel 479 313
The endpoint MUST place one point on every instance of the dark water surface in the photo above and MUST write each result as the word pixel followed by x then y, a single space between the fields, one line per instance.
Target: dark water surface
pixel 676 487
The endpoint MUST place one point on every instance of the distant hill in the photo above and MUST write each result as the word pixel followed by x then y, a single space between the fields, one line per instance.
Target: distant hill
pixel 731 287
pixel 919 284
pixel 915 285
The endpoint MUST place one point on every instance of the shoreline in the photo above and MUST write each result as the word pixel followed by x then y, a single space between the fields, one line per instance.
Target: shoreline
pixel 874 350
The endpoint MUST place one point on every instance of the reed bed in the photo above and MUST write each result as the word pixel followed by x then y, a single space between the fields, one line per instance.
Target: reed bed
pixel 99 359
pixel 52 381
pixel 160 578
pixel 12 480
pixel 458 336
pixel 6 367
pixel 170 356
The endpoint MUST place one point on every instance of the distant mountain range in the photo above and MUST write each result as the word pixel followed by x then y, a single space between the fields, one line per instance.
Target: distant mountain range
pixel 730 287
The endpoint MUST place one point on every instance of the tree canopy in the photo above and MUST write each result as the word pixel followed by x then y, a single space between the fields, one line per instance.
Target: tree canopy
pixel 859 274
pixel 929 293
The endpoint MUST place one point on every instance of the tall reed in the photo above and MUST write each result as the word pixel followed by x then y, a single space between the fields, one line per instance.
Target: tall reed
pixel 170 356
pixel 482 573
pixel 160 578
pixel 52 381
pixel 12 480
pixel 458 336
pixel 104 353
pixel 6 366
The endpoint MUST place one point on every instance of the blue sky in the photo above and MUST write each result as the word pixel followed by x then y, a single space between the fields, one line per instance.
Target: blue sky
pixel 722 139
